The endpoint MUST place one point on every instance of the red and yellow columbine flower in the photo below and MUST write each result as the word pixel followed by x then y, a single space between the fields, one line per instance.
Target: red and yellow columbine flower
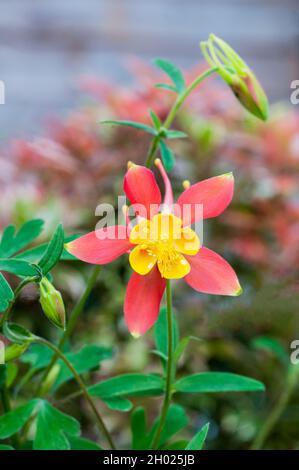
pixel 162 245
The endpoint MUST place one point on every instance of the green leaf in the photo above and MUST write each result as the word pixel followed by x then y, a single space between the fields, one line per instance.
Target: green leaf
pixel 175 421
pixel 88 358
pixel 140 437
pixel 161 335
pixel 38 356
pixel 3 368
pixel 135 125
pixel 182 345
pixel 271 344
pixel 118 404
pixel 177 445
pixel 18 267
pixel 155 119
pixel 17 334
pixel 213 382
pixel 34 254
pixel 5 447
pixel 128 384
pixel 173 72
pixel 52 428
pixel 11 243
pixel 164 86
pixel 53 252
pixel 12 422
pixel 198 440
pixel 172 134
pixel 80 443
pixel 167 156
pixel 6 294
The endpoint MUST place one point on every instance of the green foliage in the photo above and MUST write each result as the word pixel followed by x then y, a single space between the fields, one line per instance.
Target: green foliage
pixel 173 73
pixel 135 125
pixel 6 447
pixel 18 267
pixel 88 358
pixel 79 443
pixel 3 368
pixel 12 422
pixel 161 334
pixel 17 334
pixel 54 430
pixel 176 420
pixel 6 294
pixel 128 385
pixel 155 120
pixel 118 404
pixel 199 439
pixel 213 382
pixel 53 427
pixel 53 251
pixel 12 242
pixel 167 156
pixel 272 345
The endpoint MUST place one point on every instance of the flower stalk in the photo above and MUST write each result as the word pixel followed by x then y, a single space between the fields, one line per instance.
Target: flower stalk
pixel 170 372
pixel 173 112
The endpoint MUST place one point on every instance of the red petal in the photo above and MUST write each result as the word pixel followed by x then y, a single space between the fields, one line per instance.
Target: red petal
pixel 101 246
pixel 210 273
pixel 142 301
pixel 141 187
pixel 214 194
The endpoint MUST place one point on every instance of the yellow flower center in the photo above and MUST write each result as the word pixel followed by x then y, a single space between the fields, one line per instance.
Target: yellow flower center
pixel 163 241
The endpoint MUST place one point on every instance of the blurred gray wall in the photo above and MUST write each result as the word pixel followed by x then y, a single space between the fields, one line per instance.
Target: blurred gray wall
pixel 45 45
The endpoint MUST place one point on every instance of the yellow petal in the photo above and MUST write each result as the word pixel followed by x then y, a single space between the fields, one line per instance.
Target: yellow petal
pixel 140 233
pixel 142 260
pixel 188 243
pixel 165 227
pixel 177 269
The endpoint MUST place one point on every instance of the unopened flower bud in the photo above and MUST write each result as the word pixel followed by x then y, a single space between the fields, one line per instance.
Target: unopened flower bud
pixel 52 303
pixel 14 351
pixel 237 75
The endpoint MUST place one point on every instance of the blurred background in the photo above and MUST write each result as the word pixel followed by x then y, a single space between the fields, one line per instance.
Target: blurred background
pixel 67 65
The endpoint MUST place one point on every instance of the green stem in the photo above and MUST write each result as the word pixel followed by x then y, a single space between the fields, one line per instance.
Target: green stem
pixel 71 323
pixel 15 440
pixel 100 422
pixel 173 112
pixel 17 291
pixel 277 410
pixel 169 371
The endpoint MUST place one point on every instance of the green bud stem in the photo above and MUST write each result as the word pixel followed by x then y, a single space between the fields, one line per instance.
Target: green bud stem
pixel 173 112
pixel 100 422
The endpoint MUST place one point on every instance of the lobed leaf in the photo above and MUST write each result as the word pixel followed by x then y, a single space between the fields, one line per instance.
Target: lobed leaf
pixel 11 243
pixel 13 421
pixel 18 267
pixel 53 427
pixel 6 293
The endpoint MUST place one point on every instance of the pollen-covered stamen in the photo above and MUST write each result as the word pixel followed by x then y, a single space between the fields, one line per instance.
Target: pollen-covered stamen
pixel 164 241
